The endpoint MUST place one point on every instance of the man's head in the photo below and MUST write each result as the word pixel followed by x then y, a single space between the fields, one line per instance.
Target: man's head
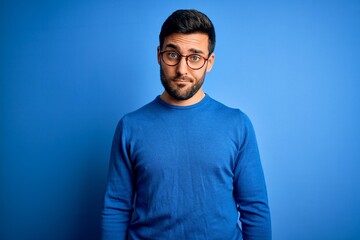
pixel 185 54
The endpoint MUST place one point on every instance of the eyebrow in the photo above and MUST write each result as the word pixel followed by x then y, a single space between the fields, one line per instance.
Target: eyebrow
pixel 193 50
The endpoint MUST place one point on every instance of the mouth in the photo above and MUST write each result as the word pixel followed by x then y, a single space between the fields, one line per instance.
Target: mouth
pixel 182 80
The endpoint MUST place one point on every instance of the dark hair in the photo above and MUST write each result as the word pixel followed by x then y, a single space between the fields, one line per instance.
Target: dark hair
pixel 186 22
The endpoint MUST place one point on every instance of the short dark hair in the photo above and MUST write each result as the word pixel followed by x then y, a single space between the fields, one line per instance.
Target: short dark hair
pixel 186 22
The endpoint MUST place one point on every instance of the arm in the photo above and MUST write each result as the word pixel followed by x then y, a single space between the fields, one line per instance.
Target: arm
pixel 250 189
pixel 119 191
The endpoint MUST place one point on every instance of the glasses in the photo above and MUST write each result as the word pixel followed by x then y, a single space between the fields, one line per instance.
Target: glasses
pixel 194 61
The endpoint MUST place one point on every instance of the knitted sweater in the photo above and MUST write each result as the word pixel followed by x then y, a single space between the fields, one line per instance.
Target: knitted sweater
pixel 185 172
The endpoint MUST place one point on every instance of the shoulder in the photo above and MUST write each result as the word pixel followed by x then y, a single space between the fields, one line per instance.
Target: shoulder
pixel 233 114
pixel 144 115
pixel 234 123
pixel 142 112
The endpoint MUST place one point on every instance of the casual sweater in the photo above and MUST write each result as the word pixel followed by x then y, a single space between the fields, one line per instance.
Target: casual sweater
pixel 185 172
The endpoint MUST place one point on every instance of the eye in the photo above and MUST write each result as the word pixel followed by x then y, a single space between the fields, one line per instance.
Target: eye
pixel 194 58
pixel 172 55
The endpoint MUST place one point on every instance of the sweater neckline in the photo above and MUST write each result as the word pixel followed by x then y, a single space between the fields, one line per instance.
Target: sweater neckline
pixel 176 107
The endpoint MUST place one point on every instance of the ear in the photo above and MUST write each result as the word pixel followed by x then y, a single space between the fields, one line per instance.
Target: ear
pixel 158 54
pixel 210 62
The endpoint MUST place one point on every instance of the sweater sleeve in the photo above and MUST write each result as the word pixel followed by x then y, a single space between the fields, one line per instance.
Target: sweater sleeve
pixel 250 189
pixel 119 193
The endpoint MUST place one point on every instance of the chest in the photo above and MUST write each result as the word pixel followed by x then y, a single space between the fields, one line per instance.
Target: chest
pixel 183 151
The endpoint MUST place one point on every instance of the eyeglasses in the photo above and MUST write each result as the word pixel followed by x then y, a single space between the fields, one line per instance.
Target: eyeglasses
pixel 194 61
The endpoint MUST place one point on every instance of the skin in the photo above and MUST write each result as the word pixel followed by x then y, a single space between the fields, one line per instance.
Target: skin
pixel 183 85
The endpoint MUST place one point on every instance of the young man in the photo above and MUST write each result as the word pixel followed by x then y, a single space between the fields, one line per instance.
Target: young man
pixel 184 166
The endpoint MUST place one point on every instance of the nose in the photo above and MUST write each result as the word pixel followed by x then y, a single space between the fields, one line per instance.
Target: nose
pixel 182 66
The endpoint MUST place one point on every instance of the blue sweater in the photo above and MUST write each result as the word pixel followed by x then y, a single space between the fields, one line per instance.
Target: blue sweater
pixel 185 173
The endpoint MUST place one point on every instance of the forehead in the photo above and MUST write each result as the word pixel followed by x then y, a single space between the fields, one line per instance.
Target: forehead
pixel 187 42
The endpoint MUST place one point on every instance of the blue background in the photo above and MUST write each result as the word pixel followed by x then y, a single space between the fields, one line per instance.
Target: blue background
pixel 71 69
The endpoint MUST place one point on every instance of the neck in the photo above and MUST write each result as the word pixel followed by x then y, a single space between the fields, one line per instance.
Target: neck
pixel 191 101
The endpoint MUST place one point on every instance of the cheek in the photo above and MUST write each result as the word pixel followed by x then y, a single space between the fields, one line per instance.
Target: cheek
pixel 199 74
pixel 168 71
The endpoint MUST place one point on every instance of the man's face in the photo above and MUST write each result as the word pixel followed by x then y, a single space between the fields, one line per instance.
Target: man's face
pixel 180 81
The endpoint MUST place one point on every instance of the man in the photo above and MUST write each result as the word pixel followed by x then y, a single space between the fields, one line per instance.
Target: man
pixel 185 166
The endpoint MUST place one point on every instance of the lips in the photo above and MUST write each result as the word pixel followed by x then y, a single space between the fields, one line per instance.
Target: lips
pixel 182 79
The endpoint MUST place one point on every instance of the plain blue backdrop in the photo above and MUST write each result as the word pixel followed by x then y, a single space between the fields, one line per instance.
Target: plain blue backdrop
pixel 70 69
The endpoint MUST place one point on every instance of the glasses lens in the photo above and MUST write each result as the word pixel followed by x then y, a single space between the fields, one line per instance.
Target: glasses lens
pixel 171 58
pixel 195 61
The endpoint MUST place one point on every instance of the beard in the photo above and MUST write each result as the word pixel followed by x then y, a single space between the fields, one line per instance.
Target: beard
pixel 179 92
